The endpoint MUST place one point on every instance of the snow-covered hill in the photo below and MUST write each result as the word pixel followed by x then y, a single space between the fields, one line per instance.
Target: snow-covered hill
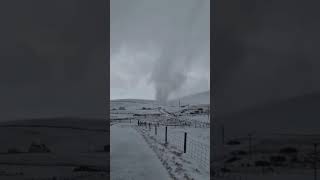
pixel 193 99
pixel 297 115
pixel 198 98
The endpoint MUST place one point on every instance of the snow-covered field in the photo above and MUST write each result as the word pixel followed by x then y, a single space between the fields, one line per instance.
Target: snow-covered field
pixel 136 115
pixel 268 156
pixel 131 158
pixel 64 148
pixel 272 141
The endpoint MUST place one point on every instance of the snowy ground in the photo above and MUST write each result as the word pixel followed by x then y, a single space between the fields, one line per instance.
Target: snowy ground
pixel 131 157
pixel 283 176
pixel 269 156
pixel 190 119
pixel 67 154
pixel 194 164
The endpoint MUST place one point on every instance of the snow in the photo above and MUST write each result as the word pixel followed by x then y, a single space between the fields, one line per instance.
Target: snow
pixel 131 157
pixel 198 134
pixel 275 176
pixel 179 165
pixel 73 142
pixel 191 165
pixel 296 165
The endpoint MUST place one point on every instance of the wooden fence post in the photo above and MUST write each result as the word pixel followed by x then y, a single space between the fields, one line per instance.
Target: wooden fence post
pixel 166 139
pixel 185 143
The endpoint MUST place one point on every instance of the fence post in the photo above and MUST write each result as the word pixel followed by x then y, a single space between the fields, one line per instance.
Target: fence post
pixel 155 129
pixel 185 143
pixel 166 140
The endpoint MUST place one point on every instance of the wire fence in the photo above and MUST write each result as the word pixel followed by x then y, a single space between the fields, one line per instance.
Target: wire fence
pixel 194 123
pixel 121 120
pixel 283 154
pixel 275 142
pixel 190 147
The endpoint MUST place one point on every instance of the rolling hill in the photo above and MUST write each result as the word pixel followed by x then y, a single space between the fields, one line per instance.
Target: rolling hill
pixel 297 115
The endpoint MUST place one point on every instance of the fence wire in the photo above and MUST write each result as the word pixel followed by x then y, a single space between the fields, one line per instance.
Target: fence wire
pixel 300 155
pixel 198 151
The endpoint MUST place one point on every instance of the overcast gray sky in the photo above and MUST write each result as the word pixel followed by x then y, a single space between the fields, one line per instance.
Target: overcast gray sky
pixel 159 46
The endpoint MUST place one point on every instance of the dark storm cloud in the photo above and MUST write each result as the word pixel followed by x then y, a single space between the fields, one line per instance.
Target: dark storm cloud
pixel 178 34
pixel 264 51
pixel 53 58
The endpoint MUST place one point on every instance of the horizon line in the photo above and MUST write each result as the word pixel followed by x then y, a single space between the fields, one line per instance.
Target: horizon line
pixel 156 100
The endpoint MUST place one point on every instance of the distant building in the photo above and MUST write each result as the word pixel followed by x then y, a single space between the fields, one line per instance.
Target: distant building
pixel 122 108
pixel 153 115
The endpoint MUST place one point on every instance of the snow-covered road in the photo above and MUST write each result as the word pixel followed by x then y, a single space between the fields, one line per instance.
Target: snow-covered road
pixel 131 157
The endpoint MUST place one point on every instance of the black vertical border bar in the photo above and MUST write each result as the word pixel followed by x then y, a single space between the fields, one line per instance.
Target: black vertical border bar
pixel 107 60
